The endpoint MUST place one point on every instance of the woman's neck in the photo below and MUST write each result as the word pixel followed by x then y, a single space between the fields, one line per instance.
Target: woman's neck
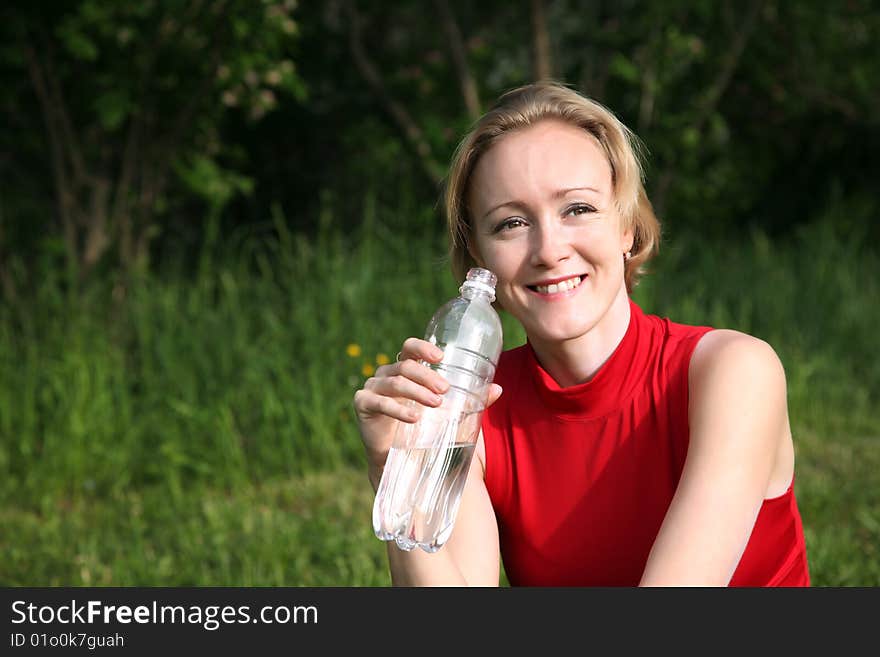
pixel 577 360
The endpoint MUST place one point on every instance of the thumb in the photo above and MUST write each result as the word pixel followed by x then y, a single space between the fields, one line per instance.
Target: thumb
pixel 495 391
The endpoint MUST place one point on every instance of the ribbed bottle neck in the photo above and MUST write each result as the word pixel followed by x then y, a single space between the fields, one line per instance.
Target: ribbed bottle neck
pixel 475 289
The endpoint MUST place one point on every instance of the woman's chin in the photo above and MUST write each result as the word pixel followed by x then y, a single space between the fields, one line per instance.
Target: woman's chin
pixel 557 333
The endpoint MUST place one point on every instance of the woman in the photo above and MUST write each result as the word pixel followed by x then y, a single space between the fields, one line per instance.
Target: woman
pixel 623 449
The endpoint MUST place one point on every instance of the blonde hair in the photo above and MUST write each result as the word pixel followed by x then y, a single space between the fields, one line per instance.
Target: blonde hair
pixel 524 107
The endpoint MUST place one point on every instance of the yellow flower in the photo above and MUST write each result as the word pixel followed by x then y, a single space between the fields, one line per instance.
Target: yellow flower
pixel 353 350
pixel 368 369
pixel 382 359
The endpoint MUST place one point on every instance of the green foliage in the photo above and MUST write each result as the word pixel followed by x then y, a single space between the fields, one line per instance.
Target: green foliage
pixel 130 103
pixel 624 68
pixel 752 114
pixel 204 177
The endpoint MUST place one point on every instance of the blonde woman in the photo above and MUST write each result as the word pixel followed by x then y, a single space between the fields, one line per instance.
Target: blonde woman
pixel 619 448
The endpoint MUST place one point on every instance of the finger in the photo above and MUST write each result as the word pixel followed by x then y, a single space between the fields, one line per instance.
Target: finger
pixel 426 376
pixel 401 386
pixel 495 391
pixel 368 404
pixel 410 369
pixel 418 349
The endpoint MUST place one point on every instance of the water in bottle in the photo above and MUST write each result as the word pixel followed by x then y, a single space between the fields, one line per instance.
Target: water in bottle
pixel 424 476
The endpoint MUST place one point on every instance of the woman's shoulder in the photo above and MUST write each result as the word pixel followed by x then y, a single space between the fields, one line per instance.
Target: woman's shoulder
pixel 737 358
pixel 705 346
pixel 733 346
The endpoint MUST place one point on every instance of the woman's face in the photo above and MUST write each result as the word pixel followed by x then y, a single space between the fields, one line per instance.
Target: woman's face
pixel 545 221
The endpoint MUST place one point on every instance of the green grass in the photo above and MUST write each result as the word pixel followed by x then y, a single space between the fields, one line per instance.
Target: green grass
pixel 306 531
pixel 196 428
pixel 314 530
pixel 839 500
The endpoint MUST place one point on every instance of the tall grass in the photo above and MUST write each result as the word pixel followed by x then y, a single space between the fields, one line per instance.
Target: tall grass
pixel 182 393
pixel 236 374
pixel 813 296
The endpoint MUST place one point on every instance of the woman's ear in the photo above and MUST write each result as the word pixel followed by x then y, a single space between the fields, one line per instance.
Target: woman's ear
pixel 628 240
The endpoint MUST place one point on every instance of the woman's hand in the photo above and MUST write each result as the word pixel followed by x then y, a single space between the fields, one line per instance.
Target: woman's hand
pixel 397 393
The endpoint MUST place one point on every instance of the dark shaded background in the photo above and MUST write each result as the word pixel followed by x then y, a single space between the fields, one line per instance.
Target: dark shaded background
pixel 134 133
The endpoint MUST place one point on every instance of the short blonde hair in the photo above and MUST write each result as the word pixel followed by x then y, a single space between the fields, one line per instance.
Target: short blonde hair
pixel 524 107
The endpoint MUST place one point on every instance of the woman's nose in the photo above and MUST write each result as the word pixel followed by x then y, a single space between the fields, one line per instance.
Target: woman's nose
pixel 550 245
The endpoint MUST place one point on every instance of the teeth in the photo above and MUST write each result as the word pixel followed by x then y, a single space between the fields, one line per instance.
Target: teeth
pixel 564 286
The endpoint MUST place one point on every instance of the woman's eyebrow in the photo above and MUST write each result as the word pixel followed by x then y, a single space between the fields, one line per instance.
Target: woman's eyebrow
pixel 514 204
pixel 562 192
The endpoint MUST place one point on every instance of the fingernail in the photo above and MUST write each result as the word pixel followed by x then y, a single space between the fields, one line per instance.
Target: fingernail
pixel 437 352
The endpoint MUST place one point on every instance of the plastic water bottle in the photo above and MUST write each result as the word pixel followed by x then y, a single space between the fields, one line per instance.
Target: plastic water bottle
pixel 424 476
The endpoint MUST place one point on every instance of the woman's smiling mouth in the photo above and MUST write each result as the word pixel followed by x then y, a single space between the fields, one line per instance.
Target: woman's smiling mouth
pixel 558 286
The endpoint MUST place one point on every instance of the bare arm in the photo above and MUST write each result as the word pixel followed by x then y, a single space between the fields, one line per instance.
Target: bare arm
pixel 740 448
pixel 471 555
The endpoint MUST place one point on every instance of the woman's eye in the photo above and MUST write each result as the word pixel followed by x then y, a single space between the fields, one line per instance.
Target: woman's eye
pixel 579 209
pixel 507 224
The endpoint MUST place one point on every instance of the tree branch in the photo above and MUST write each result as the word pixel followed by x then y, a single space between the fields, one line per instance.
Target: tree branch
pixel 184 118
pixel 648 95
pixel 412 133
pixel 716 90
pixel 64 193
pixel 648 59
pixel 459 59
pixel 728 66
pixel 131 155
pixel 542 67
pixel 59 107
pixel 96 239
pixel 7 282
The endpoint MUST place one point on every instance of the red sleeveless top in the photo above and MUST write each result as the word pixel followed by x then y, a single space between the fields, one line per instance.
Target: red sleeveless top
pixel 581 477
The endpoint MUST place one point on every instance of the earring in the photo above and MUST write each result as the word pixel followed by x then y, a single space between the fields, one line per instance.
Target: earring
pixel 627 255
